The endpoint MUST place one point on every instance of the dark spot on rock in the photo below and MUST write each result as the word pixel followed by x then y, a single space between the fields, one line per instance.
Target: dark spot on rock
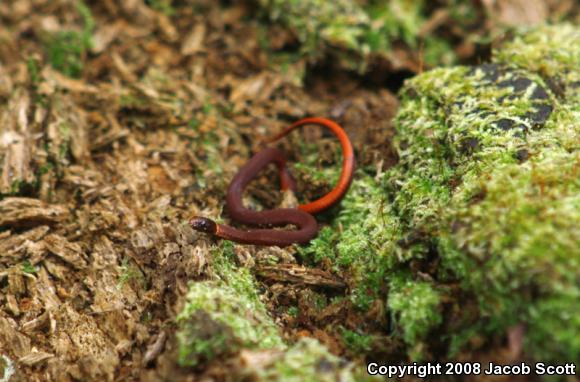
pixel 540 115
pixel 522 155
pixel 518 83
pixel 505 124
pixel 509 97
pixel 539 94
pixel 556 86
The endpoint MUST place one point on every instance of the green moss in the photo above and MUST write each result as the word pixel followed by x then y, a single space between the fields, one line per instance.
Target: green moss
pixel 314 20
pixel 131 100
pixel 559 310
pixel 319 249
pixel 351 31
pixel 218 320
pixel 223 316
pixel 66 49
pixel 522 245
pixel 239 279
pixel 357 343
pixel 415 305
pixel 293 311
pixel 366 242
pixel 32 65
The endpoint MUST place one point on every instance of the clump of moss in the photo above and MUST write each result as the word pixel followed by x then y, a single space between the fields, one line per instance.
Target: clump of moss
pixel 222 317
pixel 356 342
pixel 66 48
pixel 364 244
pixel 352 31
pixel 415 305
pixel 520 251
pixel 367 248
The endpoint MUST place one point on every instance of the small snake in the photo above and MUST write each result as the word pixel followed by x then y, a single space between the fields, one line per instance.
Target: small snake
pixel 300 217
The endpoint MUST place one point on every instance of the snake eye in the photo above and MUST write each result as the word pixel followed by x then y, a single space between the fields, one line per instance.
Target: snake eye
pixel 203 224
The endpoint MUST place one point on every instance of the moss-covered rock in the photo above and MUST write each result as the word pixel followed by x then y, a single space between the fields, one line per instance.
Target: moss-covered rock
pixel 489 176
pixel 355 31
pixel 477 229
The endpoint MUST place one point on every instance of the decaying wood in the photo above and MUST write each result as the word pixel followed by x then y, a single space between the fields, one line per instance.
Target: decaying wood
pixel 26 212
pixel 79 337
pixel 11 338
pixel 11 246
pixel 46 292
pixel 296 274
pixel 17 144
pixel 155 348
pixel 72 253
pixel 37 323
pixel 34 358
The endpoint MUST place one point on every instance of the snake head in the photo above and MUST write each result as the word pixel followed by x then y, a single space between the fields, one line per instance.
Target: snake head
pixel 203 225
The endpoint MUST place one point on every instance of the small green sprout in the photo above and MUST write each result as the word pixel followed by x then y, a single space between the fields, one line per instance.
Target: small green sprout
pixel 27 267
